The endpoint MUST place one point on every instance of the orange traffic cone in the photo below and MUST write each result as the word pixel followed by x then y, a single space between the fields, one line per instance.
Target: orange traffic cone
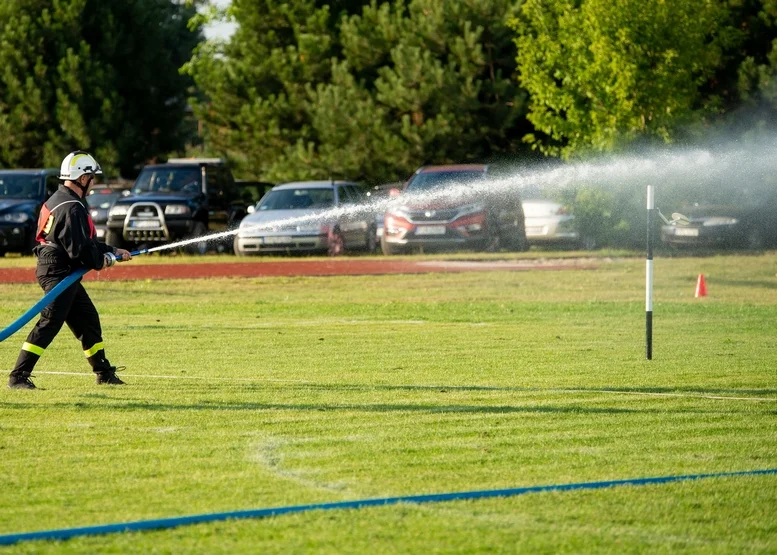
pixel 701 287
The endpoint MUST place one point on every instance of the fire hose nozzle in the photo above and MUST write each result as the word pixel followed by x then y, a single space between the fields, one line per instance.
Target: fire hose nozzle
pixel 133 254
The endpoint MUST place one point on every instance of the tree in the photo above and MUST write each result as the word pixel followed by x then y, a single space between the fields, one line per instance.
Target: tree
pixel 304 91
pixel 253 86
pixel 603 74
pixel 443 74
pixel 97 75
pixel 748 79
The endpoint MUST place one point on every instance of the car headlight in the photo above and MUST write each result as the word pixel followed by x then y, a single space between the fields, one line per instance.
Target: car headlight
pixel 15 217
pixel 395 223
pixel 177 210
pixel 119 211
pixel 250 229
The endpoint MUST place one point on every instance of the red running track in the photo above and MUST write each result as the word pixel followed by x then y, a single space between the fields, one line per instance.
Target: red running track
pixel 339 267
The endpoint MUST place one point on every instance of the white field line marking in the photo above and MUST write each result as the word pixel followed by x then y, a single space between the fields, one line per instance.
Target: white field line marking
pixel 270 454
pixel 181 377
pixel 659 394
pixel 436 386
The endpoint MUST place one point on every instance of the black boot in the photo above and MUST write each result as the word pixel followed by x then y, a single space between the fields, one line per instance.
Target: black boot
pixel 108 376
pixel 20 382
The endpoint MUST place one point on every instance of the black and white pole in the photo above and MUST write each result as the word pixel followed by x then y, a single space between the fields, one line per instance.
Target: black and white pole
pixel 651 208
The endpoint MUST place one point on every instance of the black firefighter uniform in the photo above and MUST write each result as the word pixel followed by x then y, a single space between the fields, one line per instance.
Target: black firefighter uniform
pixel 67 242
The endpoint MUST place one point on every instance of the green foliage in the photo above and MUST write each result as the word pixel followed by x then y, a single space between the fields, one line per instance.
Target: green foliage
pixel 596 218
pixel 299 93
pixel 603 74
pixel 256 85
pixel 753 74
pixel 96 75
pixel 372 89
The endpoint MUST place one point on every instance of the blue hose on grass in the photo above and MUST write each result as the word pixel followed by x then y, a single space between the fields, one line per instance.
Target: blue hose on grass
pixel 47 300
pixel 174 522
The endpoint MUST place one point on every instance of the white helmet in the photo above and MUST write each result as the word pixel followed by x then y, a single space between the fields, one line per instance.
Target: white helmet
pixel 77 164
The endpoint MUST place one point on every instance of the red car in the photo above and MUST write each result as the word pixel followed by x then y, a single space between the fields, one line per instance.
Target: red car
pixel 452 207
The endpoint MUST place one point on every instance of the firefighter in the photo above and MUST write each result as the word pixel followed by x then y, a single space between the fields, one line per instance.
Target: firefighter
pixel 66 242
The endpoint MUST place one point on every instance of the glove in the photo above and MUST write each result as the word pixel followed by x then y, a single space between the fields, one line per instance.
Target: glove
pixel 110 259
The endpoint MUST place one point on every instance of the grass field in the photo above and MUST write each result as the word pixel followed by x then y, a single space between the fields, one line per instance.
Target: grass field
pixel 254 393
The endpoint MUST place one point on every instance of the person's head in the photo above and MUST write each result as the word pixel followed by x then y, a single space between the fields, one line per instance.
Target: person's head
pixel 79 169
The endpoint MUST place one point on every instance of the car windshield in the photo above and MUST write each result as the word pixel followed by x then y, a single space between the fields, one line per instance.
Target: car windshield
pixel 427 181
pixel 297 199
pixel 20 186
pixel 102 199
pixel 169 180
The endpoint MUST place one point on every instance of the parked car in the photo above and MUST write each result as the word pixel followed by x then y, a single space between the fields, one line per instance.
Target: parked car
pixel 22 193
pixel 182 199
pixel 100 200
pixel 549 223
pixel 301 218
pixel 751 225
pixel 444 207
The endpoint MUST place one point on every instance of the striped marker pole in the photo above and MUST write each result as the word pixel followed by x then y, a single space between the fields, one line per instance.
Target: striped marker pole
pixel 651 208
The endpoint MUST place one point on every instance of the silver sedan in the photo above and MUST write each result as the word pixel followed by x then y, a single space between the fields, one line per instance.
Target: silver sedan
pixel 548 222
pixel 308 217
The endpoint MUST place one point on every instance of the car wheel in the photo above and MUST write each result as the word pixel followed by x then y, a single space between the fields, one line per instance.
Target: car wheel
pixel 754 240
pixel 387 248
pixel 114 239
pixel 514 240
pixel 335 243
pixel 372 242
pixel 491 244
pixel 200 247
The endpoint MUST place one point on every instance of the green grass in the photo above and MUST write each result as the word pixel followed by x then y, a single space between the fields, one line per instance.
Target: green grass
pixel 252 393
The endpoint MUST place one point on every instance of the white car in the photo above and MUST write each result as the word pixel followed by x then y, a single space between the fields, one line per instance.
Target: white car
pixel 548 222
pixel 308 217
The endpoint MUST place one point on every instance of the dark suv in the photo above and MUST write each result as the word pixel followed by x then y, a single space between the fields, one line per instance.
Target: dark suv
pixel 444 207
pixel 182 199
pixel 22 193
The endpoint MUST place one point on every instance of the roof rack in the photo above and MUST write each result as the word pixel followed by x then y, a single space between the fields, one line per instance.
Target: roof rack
pixel 195 161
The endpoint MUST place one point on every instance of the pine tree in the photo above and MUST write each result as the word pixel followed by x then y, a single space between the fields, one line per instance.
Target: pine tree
pixel 301 91
pixel 97 75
